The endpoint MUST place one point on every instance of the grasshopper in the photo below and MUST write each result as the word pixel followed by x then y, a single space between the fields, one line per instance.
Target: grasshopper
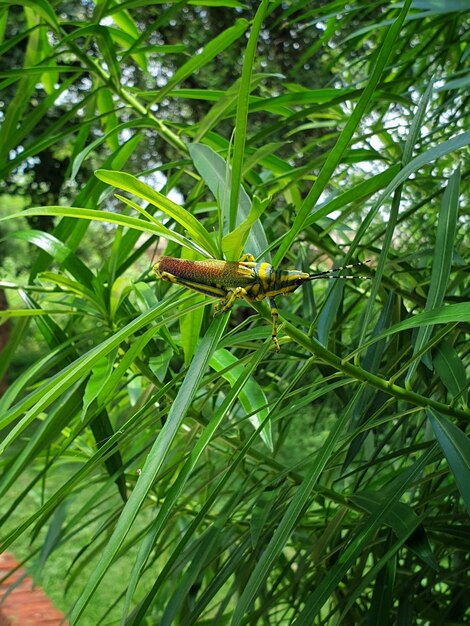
pixel 247 279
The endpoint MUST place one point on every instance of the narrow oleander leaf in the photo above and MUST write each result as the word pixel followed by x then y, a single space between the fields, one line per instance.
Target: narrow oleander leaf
pixel 191 322
pixel 58 250
pixel 251 397
pixel 451 370
pixel 155 459
pixel 112 218
pixel 198 61
pixel 455 446
pixel 342 144
pixel 130 183
pixel 449 314
pixel 442 258
pixel 213 170
pixel 404 522
pixel 234 243
pixel 241 118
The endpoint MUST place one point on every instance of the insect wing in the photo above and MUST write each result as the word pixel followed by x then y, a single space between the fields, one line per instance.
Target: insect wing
pixel 208 273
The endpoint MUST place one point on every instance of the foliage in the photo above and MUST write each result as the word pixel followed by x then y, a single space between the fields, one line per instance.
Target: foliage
pixel 178 461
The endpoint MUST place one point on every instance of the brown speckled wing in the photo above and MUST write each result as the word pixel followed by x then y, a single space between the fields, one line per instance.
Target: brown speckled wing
pixel 210 272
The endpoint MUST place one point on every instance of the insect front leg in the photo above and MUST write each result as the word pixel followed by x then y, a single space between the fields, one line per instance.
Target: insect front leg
pixel 247 258
pixel 275 316
pixel 227 303
pixel 232 295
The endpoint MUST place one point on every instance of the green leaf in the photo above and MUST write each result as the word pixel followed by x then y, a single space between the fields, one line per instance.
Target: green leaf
pixel 252 397
pixel 131 184
pixel 159 363
pixel 41 7
pixel 383 594
pixel 154 462
pixel 289 520
pixel 456 83
pixel 171 235
pixel 213 169
pixel 234 243
pixel 58 251
pixel 100 374
pixel 329 312
pixel 127 35
pixel 455 446
pixel 111 218
pixel 191 323
pixel 215 46
pixel 336 154
pixel 404 522
pixel 449 314
pixel 121 287
pixel 108 51
pixel 451 370
pixel 106 107
pixel 242 113
pixel 442 259
pixel 13 313
pixel 260 514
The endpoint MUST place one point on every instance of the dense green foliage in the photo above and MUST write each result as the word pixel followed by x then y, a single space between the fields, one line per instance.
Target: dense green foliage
pixel 176 467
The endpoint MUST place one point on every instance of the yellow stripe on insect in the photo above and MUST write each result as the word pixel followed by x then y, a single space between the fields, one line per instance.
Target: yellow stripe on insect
pixel 245 279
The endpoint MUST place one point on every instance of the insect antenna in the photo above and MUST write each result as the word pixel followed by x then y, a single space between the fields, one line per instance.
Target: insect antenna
pixel 330 274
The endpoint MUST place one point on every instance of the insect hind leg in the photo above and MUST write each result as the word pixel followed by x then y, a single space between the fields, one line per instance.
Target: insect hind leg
pixel 168 277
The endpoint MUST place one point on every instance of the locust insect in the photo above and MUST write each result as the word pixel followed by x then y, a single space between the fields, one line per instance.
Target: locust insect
pixel 246 279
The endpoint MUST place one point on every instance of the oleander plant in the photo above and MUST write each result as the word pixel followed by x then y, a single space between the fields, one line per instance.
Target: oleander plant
pixel 162 460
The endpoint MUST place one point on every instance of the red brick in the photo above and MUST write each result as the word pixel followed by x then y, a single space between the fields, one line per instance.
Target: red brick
pixel 25 605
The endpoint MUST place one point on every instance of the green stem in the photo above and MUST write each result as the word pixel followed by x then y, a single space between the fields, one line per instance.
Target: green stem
pixel 354 371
